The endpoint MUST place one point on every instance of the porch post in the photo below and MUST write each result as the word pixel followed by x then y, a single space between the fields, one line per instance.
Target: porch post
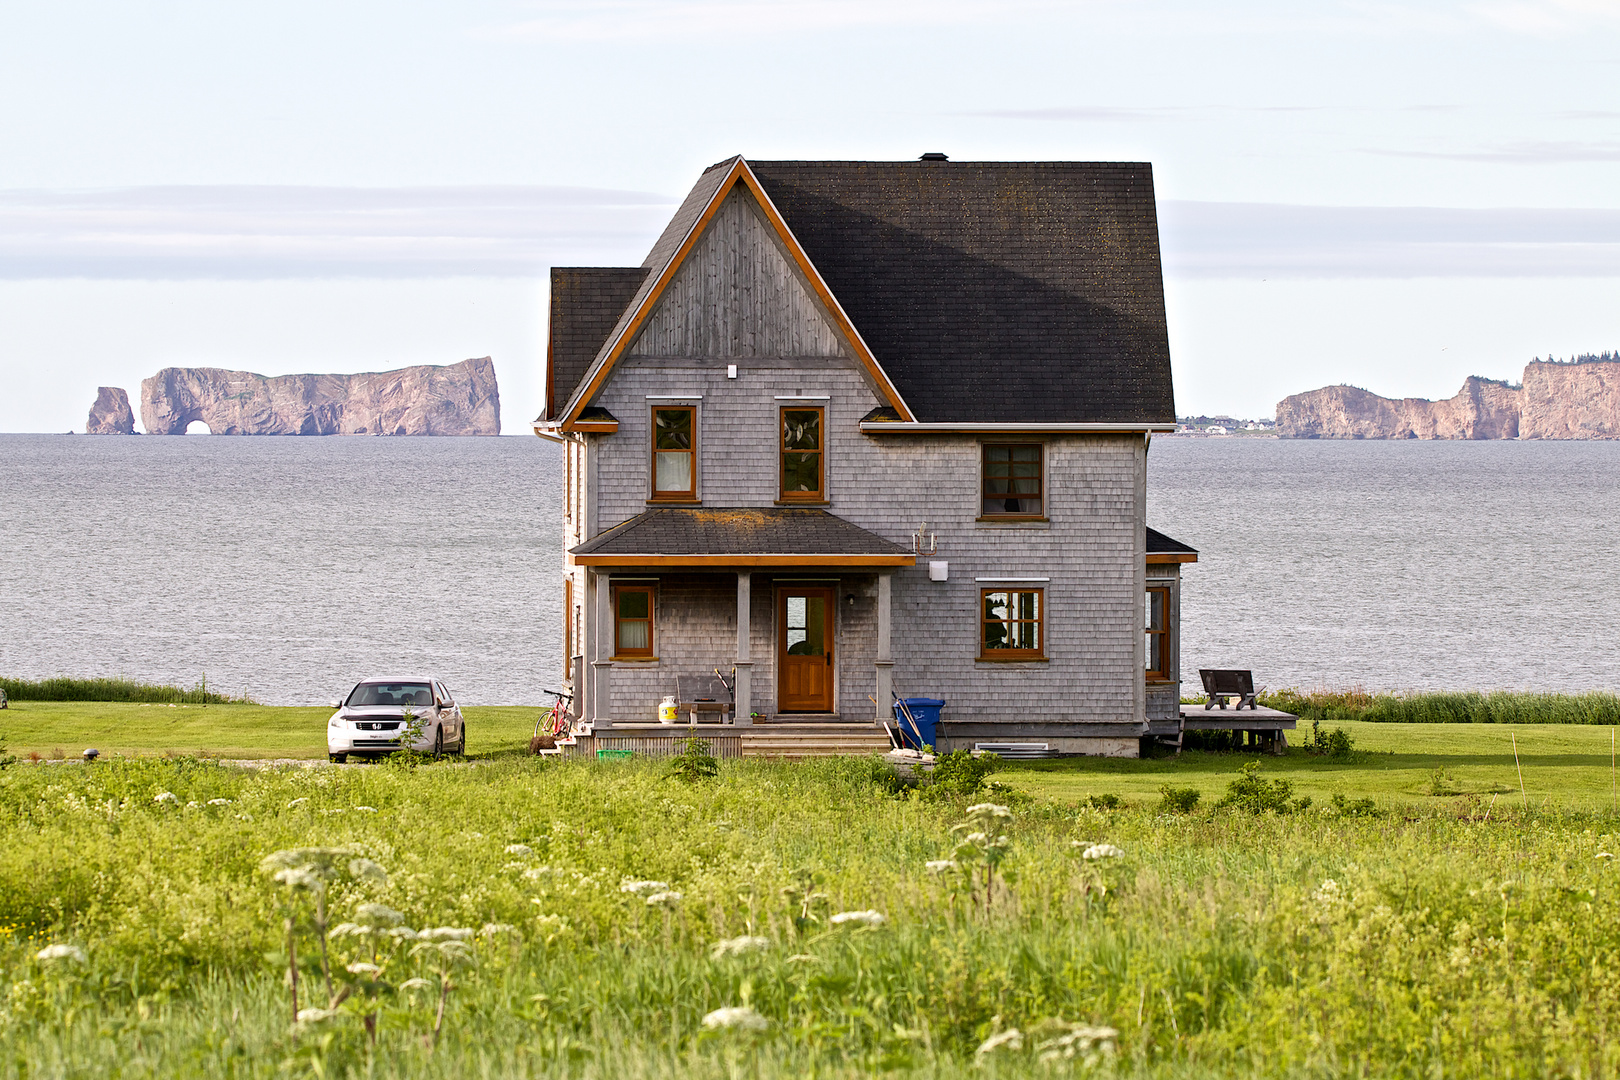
pixel 742 711
pixel 885 660
pixel 602 665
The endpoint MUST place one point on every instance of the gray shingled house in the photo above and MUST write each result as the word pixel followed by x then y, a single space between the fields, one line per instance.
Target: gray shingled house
pixel 862 426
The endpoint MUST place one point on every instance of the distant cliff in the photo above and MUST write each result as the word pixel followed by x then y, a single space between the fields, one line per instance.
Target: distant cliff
pixel 111 414
pixel 457 399
pixel 1557 401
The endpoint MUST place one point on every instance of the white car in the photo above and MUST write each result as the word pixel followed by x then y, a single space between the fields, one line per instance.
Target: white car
pixel 372 719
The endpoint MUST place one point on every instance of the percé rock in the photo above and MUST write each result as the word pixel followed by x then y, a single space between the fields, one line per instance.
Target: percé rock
pixel 1571 401
pixel 1482 409
pixel 455 399
pixel 111 414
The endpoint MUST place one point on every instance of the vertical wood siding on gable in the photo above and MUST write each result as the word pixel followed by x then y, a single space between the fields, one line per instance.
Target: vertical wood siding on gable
pixel 738 294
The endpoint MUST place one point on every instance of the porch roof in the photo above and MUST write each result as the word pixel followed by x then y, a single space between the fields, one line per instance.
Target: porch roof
pixel 1163 549
pixel 739 536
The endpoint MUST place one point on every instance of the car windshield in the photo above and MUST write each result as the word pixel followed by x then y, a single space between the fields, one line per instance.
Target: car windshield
pixel 391 693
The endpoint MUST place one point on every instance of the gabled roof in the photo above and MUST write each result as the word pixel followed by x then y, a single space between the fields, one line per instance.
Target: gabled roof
pixel 586 303
pixel 994 291
pixel 740 536
pixel 973 292
pixel 665 259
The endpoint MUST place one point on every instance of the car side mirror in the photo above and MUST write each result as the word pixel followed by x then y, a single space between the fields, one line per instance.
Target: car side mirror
pixel 334 704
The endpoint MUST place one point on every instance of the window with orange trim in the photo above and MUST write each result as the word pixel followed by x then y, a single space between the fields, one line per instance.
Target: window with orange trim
pixel 803 454
pixel 632 620
pixel 1012 481
pixel 1157 622
pixel 674 453
pixel 1011 624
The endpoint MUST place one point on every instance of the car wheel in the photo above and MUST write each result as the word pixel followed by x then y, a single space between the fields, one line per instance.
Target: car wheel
pixel 438 741
pixel 461 744
pixel 337 759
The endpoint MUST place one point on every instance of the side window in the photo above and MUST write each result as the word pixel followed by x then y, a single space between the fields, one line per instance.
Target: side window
pixel 632 620
pixel 1012 481
pixel 674 453
pixel 568 627
pixel 802 449
pixel 1011 624
pixel 1158 633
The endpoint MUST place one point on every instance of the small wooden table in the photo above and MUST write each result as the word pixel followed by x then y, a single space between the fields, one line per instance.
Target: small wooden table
pixel 706 694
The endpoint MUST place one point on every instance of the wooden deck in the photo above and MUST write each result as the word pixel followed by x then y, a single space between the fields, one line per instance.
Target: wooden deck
pixel 1264 726
pixel 776 740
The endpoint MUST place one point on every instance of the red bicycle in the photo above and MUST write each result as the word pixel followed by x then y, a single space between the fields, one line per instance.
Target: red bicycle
pixel 552 726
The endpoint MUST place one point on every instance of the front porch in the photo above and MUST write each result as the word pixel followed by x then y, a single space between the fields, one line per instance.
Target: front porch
pixel 782 740
pixel 796 603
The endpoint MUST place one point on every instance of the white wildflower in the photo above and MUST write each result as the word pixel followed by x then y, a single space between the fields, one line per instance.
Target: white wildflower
pixel 1011 1039
pixel 735 1018
pixel 378 915
pixel 219 802
pixel 400 933
pixel 1093 1042
pixel 244 817
pixel 988 810
pixel 523 850
pixel 803 958
pixel 362 968
pixel 363 869
pixel 491 929
pixel 668 900
pixel 1101 851
pixel 870 919
pixel 296 877
pixel 300 801
pixel 940 866
pixel 193 805
pixel 315 1016
pixel 739 946
pixel 367 809
pixel 445 933
pixel 1605 855
pixel 416 984
pixel 643 888
pixel 535 873
pixel 166 798
pixel 1327 893
pixel 50 954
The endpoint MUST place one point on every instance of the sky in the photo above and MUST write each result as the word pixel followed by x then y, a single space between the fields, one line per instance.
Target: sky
pixel 1393 195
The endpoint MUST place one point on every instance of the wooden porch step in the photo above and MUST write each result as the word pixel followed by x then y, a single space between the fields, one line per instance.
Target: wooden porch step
pixel 816 745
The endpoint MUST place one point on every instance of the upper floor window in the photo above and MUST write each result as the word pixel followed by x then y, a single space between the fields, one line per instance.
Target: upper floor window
pixel 674 453
pixel 803 467
pixel 1012 480
pixel 1011 624
pixel 1158 633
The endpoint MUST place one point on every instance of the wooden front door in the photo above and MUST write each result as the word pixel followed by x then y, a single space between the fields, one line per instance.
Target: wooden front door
pixel 804 650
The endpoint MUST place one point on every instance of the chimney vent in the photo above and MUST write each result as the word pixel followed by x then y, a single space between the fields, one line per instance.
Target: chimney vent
pixel 934 156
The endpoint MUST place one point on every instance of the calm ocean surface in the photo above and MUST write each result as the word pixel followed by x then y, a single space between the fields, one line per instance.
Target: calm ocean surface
pixel 288 568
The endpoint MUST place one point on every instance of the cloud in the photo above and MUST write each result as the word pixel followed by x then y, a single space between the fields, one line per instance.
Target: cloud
pixel 606 20
pixel 273 233
pixel 1547 18
pixel 1273 241
pixel 247 232
pixel 1523 153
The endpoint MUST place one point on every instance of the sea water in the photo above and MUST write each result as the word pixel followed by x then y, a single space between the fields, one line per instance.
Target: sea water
pixel 287 568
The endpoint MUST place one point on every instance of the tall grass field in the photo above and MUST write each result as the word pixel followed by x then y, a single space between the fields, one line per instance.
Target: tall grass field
pixel 1449 707
pixel 517 917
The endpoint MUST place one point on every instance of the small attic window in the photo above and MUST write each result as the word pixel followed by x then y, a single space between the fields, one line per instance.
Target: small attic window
pixel 933 156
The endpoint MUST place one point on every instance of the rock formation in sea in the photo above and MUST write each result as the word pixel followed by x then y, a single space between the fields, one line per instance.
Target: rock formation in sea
pixel 1571 401
pixel 1557 401
pixel 111 414
pixel 455 399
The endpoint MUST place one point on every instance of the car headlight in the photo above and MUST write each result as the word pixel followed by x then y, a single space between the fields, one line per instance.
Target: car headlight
pixel 336 721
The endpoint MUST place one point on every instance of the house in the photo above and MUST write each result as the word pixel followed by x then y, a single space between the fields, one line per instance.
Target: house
pixel 855 427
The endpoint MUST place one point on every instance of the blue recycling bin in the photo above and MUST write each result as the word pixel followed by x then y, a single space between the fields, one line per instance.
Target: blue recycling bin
pixel 924 710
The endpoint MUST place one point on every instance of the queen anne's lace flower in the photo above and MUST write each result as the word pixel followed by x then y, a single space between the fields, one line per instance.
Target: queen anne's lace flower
pixel 870 919
pixel 739 946
pixel 219 802
pixel 1102 851
pixel 735 1018
pixel 445 933
pixel 166 798
pixel 359 967
pixel 519 849
pixel 643 888
pixel 1011 1039
pixel 51 954
pixel 988 810
pixel 668 900
pixel 940 866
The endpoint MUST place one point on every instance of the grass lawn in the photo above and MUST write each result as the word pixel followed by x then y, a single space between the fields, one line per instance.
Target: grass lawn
pixel 1565 766
pixel 65 728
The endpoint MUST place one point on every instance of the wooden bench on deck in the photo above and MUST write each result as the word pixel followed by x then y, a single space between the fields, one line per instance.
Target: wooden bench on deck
pixel 707 694
pixel 1222 683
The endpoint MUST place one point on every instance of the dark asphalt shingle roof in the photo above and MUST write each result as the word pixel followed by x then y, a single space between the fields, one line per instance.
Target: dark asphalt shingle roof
pixel 771 530
pixel 994 291
pixel 586 303
pixel 1160 544
pixel 987 291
